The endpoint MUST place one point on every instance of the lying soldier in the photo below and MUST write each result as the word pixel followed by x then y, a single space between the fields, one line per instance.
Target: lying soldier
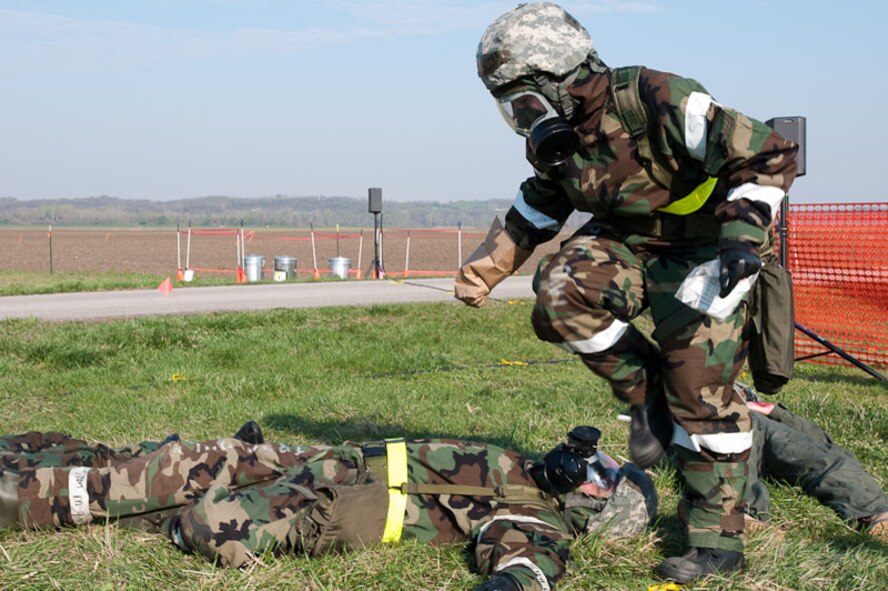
pixel 789 448
pixel 233 500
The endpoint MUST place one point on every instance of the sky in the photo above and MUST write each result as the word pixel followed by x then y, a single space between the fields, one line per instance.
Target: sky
pixel 172 99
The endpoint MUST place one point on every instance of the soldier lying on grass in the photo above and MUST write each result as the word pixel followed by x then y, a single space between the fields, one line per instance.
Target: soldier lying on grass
pixel 235 499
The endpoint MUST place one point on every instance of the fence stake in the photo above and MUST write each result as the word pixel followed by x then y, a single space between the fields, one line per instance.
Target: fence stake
pixel 407 255
pixel 49 234
pixel 459 244
pixel 314 254
pixel 360 249
pixel 188 248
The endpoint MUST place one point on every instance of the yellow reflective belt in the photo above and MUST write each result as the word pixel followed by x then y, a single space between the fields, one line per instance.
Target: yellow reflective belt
pixel 693 200
pixel 396 459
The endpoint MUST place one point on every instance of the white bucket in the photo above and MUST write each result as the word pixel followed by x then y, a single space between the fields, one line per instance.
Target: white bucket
pixel 188 276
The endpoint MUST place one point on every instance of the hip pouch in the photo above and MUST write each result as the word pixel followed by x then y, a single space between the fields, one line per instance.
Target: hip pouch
pixel 344 517
pixel 771 339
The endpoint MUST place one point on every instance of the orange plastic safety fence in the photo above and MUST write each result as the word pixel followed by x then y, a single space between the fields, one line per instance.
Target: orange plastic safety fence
pixel 838 257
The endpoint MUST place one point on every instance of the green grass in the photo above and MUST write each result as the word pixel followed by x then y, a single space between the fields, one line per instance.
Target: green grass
pixel 320 376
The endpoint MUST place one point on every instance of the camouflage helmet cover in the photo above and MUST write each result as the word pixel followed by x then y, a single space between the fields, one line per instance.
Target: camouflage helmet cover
pixel 531 38
pixel 630 508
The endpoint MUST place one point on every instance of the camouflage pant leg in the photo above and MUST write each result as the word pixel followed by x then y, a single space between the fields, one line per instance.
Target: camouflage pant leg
pixel 714 500
pixel 51 449
pixel 586 296
pixel 235 526
pixel 171 476
pixel 824 470
pixel 701 359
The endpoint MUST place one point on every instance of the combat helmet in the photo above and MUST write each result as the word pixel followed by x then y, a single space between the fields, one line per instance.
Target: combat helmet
pixel 531 40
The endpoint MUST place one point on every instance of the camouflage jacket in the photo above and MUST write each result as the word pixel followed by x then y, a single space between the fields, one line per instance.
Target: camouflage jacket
pixel 527 538
pixel 695 138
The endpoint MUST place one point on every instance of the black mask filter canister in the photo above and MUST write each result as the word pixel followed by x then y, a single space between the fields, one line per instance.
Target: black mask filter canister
pixel 567 466
pixel 551 138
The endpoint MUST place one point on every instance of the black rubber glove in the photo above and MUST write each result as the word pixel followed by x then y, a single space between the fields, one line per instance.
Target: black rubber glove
pixel 499 583
pixel 735 265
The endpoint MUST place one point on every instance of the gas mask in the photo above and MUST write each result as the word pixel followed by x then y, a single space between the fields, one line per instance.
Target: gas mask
pixel 530 114
pixel 578 465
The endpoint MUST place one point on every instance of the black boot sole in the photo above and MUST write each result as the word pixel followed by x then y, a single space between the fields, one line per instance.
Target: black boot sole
pixel 685 575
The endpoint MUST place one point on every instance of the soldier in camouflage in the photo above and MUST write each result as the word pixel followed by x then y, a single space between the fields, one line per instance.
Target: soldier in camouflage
pixel 674 180
pixel 233 500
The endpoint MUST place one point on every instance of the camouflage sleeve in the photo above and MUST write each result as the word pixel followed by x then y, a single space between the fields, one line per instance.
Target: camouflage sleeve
pixel 533 547
pixel 541 207
pixel 170 476
pixel 755 164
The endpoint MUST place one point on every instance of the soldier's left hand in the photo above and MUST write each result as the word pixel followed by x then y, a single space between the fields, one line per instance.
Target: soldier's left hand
pixel 736 264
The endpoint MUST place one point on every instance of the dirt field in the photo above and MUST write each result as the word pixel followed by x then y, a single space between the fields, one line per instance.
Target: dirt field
pixel 214 251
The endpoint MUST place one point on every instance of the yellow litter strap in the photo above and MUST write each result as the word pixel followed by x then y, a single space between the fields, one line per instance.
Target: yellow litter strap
pixel 693 200
pixel 396 459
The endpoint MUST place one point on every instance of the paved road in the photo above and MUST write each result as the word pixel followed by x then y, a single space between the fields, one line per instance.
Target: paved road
pixel 196 300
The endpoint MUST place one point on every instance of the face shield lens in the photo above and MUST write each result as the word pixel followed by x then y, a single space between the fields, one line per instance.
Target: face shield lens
pixel 601 477
pixel 524 110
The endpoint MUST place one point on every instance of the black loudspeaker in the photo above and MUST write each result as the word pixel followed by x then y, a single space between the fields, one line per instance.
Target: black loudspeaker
pixel 793 129
pixel 375 200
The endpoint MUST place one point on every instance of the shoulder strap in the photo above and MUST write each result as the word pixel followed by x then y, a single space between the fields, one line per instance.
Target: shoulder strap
pixel 634 118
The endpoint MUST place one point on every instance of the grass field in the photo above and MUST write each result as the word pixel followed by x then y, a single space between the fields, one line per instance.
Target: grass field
pixel 321 376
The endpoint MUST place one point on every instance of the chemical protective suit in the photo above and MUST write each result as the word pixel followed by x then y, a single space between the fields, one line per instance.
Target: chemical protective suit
pixel 678 184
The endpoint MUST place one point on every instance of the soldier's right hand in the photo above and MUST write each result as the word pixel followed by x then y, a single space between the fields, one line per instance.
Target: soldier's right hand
pixel 499 583
pixel 469 288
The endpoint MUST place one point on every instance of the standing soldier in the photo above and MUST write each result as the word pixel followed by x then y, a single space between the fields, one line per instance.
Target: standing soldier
pixel 233 500
pixel 674 180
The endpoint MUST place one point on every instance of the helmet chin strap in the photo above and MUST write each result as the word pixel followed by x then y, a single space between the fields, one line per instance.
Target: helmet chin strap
pixel 556 91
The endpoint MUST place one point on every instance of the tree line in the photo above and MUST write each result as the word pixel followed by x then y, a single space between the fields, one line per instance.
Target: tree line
pixel 223 211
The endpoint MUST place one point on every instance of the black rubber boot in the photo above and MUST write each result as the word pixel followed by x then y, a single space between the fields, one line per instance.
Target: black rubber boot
pixel 699 563
pixel 250 433
pixel 651 430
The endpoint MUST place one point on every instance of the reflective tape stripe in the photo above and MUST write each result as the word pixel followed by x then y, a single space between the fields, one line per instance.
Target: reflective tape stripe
pixel 761 193
pixel 396 459
pixel 78 496
pixel 518 518
pixel 600 342
pixel 693 200
pixel 696 124
pixel 537 219
pixel 538 573
pixel 720 443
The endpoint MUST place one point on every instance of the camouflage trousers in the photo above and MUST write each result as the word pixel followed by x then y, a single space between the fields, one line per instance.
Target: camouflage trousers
pixel 587 296
pixel 225 499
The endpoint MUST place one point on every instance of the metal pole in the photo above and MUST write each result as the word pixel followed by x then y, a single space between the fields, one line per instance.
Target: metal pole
pixel 459 245
pixel 360 248
pixel 847 357
pixel 178 247
pixel 188 248
pixel 49 234
pixel 314 254
pixel 407 255
pixel 375 245
pixel 783 232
